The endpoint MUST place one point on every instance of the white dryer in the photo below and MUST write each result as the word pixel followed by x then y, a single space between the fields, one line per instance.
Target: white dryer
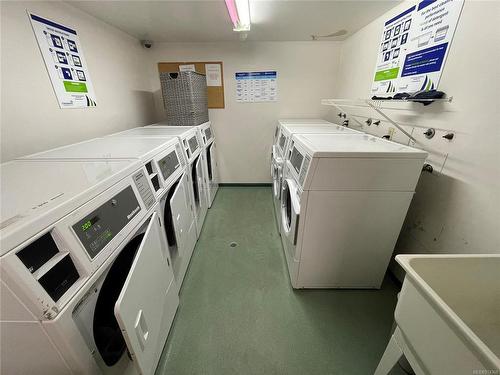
pixel 188 136
pixel 286 129
pixel 86 280
pixel 167 171
pixel 211 168
pixel 344 200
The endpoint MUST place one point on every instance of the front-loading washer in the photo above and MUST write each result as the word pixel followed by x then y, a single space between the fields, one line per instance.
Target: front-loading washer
pixel 280 151
pixel 212 168
pixel 344 200
pixel 189 138
pixel 166 168
pixel 85 222
pixel 209 150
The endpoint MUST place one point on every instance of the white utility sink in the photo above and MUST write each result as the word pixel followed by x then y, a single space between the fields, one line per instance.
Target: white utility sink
pixel 448 315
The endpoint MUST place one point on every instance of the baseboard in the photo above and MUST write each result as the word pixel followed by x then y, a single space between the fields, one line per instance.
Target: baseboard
pixel 244 184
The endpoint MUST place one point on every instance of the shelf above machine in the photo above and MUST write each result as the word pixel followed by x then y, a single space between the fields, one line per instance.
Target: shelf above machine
pixel 381 106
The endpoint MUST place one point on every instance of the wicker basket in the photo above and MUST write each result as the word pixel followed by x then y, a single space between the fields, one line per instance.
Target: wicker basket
pixel 184 98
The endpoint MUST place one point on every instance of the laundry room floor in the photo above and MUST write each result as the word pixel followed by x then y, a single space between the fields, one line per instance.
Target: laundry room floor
pixel 238 314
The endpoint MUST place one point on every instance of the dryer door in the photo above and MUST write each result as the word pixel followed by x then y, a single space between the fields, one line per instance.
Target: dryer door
pixel 181 212
pixel 140 307
pixel 202 189
pixel 290 210
pixel 277 175
pixel 212 164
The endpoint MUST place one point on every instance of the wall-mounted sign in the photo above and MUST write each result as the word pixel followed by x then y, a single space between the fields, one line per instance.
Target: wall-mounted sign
pixel 256 86
pixel 414 47
pixel 67 68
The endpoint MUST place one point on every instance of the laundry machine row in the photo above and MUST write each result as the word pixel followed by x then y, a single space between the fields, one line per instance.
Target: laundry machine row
pixel 87 283
pixel 193 142
pixel 344 200
pixel 109 307
pixel 209 150
pixel 166 166
pixel 281 144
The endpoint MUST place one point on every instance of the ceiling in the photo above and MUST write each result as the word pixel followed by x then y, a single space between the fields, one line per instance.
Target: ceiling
pixel 208 20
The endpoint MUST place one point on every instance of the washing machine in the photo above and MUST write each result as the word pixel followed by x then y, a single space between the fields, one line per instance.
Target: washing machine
pixel 87 284
pixel 166 166
pixel 189 138
pixel 211 170
pixel 344 200
pixel 211 165
pixel 281 148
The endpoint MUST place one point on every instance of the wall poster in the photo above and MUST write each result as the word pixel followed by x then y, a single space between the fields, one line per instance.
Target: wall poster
pixel 414 46
pixel 67 68
pixel 254 87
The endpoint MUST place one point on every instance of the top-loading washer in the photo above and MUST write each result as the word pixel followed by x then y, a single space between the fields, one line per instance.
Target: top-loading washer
pixel 189 138
pixel 344 200
pixel 166 166
pixel 207 137
pixel 280 149
pixel 86 280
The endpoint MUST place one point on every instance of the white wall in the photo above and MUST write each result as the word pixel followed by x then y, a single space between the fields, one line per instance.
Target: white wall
pixel 31 120
pixel 244 131
pixel 457 210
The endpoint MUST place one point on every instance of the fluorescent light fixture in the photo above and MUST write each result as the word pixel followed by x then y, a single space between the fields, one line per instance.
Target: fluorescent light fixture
pixel 239 12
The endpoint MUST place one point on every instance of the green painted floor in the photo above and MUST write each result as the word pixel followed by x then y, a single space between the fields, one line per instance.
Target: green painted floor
pixel 239 315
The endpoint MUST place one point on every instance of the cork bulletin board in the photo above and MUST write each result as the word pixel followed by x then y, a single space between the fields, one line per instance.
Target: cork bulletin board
pixel 215 94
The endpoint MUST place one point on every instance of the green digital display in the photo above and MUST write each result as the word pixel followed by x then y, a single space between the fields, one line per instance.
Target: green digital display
pixel 88 224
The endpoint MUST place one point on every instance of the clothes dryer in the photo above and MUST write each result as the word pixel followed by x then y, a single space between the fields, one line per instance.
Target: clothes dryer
pixel 344 200
pixel 188 136
pixel 281 149
pixel 211 169
pixel 86 268
pixel 167 174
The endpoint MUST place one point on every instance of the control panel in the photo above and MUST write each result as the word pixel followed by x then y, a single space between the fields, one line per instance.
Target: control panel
pixel 99 227
pixel 169 164
pixel 208 134
pixel 193 144
pixel 296 159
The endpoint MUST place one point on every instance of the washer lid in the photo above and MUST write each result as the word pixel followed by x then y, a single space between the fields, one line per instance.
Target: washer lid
pixel 109 148
pixel 355 146
pixel 35 193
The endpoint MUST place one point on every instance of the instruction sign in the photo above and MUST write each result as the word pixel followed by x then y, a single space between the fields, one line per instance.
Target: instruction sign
pixel 414 47
pixel 254 87
pixel 67 68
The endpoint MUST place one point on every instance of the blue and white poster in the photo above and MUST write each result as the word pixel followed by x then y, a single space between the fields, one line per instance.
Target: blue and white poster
pixel 414 47
pixel 63 56
pixel 252 87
